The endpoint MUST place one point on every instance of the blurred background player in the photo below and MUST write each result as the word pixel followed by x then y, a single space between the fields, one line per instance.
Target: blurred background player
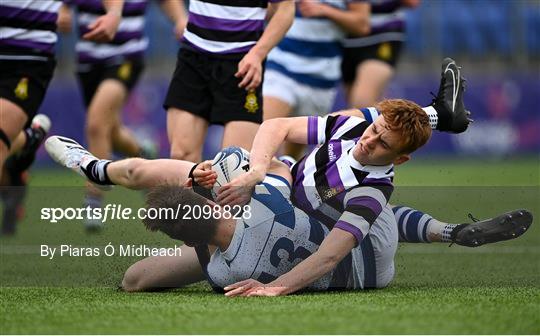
pixel 219 71
pixel 369 61
pixel 303 70
pixel 27 45
pixel 108 71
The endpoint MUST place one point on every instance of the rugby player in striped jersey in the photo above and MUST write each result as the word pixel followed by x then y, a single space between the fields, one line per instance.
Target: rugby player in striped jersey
pixel 27 43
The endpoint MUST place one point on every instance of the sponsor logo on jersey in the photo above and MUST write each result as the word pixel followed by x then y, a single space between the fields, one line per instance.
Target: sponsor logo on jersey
pixel 331 192
pixel 331 154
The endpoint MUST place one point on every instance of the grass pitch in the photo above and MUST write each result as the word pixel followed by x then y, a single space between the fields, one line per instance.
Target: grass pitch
pixel 438 289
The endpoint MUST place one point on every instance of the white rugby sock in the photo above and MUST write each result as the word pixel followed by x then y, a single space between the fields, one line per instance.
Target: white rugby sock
pixel 439 231
pixel 433 117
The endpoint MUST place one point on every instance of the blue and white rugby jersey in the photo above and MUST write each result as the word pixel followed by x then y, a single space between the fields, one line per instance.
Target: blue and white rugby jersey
pixel 28 29
pixel 225 27
pixel 276 238
pixel 129 41
pixel 331 186
pixel 387 23
pixel 310 52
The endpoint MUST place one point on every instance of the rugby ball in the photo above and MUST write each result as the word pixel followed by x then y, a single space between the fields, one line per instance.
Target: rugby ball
pixel 230 163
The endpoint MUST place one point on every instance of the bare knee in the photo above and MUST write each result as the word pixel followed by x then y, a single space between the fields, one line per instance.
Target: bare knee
pixel 97 130
pixel 133 279
pixel 187 153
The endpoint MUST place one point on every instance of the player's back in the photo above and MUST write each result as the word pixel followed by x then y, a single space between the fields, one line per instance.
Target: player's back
pixel 277 237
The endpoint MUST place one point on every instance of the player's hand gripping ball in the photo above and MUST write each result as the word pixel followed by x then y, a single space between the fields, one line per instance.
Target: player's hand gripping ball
pixel 228 164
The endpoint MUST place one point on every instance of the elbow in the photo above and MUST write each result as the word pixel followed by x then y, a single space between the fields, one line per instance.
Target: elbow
pixel 273 124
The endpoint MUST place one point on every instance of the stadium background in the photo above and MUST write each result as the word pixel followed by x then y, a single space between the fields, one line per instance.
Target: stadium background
pixel 493 167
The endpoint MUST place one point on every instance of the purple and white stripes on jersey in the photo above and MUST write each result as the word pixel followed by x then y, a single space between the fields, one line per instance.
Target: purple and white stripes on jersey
pixel 28 29
pixel 387 23
pixel 225 27
pixel 331 186
pixel 129 41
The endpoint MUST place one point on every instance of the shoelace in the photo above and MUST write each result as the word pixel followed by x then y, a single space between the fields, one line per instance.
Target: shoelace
pixel 471 217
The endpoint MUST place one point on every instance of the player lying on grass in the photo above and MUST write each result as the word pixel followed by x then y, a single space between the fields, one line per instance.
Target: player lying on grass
pixel 290 236
pixel 268 239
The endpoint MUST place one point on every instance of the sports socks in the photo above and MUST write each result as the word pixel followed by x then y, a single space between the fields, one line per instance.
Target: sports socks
pixel 414 226
pixel 96 171
pixel 433 116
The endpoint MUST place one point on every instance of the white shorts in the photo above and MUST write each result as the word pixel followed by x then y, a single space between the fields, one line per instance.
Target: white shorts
pixel 305 100
pixel 373 260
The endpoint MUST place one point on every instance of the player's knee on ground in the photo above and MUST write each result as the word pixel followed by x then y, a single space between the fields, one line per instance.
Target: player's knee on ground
pixel 132 281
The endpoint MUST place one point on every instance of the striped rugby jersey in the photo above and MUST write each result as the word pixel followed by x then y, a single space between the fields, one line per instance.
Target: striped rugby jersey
pixel 28 29
pixel 276 238
pixel 310 52
pixel 331 186
pixel 225 27
pixel 129 41
pixel 387 24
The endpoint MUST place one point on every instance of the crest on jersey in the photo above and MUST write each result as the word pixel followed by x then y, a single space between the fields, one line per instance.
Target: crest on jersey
pixel 385 51
pixel 21 91
pixel 331 192
pixel 124 72
pixel 251 104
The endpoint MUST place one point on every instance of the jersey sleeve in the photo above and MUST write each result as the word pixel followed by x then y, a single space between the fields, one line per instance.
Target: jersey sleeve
pixel 370 114
pixel 362 207
pixel 322 129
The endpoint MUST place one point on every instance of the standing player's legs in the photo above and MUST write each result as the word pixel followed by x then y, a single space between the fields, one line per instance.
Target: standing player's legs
pixel 123 140
pixel 372 77
pixel 367 70
pixel 103 115
pixel 105 89
pixel 239 133
pixel 13 119
pixel 186 132
pixel 188 103
pixel 23 85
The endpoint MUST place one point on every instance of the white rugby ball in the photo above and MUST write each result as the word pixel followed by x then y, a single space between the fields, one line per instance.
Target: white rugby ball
pixel 230 163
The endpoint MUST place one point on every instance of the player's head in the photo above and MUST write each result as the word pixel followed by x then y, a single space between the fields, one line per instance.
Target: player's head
pixel 401 128
pixel 181 224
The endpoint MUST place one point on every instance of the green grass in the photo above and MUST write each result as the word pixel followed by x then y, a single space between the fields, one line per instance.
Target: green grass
pixel 437 290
